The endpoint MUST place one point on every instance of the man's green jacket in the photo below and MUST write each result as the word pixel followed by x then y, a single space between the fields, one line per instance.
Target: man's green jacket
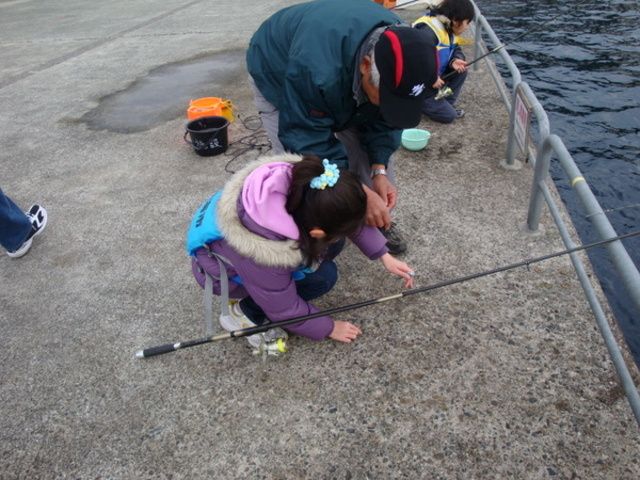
pixel 304 59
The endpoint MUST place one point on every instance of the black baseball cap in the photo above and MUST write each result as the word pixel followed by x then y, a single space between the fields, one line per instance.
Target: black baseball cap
pixel 408 64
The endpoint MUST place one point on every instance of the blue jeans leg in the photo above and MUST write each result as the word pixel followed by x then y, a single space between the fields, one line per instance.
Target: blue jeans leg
pixel 455 83
pixel 313 285
pixel 14 224
pixel 442 110
pixel 334 249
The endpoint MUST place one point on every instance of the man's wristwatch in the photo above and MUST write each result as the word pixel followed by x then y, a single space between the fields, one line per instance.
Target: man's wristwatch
pixel 378 171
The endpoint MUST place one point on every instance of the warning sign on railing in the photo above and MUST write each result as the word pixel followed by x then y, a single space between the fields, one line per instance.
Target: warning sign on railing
pixel 522 120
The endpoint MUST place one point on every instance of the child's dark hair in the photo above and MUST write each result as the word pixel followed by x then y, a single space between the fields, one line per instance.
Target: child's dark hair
pixel 459 10
pixel 338 211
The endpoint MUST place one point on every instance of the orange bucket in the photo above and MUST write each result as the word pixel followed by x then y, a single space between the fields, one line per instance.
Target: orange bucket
pixel 210 107
pixel 205 107
pixel 227 110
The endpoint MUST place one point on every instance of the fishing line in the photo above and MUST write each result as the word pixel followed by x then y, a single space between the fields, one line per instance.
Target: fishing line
pixel 613 209
pixel 405 4
pixel 172 347
pixel 513 40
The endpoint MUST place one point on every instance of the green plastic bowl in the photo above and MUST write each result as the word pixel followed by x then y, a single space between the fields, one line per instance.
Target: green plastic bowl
pixel 415 139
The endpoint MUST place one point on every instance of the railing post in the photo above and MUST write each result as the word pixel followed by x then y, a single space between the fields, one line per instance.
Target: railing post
pixel 477 51
pixel 510 156
pixel 539 114
pixel 541 171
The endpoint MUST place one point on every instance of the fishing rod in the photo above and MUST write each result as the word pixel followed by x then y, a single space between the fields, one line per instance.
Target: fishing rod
pixel 404 4
pixel 446 91
pixel 172 347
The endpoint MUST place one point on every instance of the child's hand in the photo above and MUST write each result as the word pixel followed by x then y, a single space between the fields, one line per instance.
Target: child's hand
pixel 459 65
pixel 397 267
pixel 344 331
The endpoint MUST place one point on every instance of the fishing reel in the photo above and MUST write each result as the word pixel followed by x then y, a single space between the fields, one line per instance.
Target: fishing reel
pixel 276 347
pixel 444 92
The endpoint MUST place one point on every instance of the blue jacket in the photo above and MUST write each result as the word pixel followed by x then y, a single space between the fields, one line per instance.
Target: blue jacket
pixel 447 43
pixel 303 60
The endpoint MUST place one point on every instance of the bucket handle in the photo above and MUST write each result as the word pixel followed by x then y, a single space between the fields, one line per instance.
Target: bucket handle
pixel 187 141
pixel 211 130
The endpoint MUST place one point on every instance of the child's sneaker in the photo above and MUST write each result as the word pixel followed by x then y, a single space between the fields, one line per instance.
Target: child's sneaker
pixel 38 217
pixel 238 321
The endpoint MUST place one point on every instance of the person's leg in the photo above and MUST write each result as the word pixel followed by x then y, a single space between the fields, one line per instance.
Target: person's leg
pixel 359 164
pixel 316 284
pixel 313 285
pixel 269 115
pixel 358 158
pixel 15 226
pixel 443 110
pixel 438 110
pixel 335 249
pixel 456 81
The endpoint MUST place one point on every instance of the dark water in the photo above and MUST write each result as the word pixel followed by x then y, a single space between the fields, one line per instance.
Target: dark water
pixel 584 68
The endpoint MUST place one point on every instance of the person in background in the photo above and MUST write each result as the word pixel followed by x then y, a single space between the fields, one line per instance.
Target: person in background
pixel 17 228
pixel 341 79
pixel 277 225
pixel 445 23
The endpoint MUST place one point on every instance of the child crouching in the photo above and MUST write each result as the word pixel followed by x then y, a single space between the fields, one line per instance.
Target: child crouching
pixel 278 224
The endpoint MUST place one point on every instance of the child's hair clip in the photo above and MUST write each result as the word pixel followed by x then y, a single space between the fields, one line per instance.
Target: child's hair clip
pixel 328 178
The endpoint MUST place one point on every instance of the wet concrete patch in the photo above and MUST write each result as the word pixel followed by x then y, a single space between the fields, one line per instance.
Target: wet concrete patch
pixel 166 91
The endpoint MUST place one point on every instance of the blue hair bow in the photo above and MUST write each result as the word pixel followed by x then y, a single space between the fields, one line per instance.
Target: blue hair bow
pixel 328 178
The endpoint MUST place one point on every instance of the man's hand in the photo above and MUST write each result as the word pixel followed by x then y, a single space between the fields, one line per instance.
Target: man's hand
pixel 377 211
pixel 387 191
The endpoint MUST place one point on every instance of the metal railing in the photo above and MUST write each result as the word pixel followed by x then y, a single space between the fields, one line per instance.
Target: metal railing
pixel 549 144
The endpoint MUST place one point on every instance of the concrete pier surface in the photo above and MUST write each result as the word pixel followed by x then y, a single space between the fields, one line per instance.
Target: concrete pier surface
pixel 505 376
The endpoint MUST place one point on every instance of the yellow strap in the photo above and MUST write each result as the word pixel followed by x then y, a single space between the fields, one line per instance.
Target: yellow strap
pixel 435 25
pixel 464 41
pixel 576 180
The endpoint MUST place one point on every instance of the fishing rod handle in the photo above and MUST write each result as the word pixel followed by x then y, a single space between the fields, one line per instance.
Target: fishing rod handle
pixel 172 347
pixel 159 350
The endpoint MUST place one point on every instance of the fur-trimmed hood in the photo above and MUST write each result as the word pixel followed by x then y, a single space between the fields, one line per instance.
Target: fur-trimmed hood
pixel 264 251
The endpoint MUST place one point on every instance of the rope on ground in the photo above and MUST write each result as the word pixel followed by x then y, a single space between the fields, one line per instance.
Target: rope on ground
pixel 258 140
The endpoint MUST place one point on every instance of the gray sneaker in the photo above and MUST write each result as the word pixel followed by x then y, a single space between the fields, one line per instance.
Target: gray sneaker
pixel 395 242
